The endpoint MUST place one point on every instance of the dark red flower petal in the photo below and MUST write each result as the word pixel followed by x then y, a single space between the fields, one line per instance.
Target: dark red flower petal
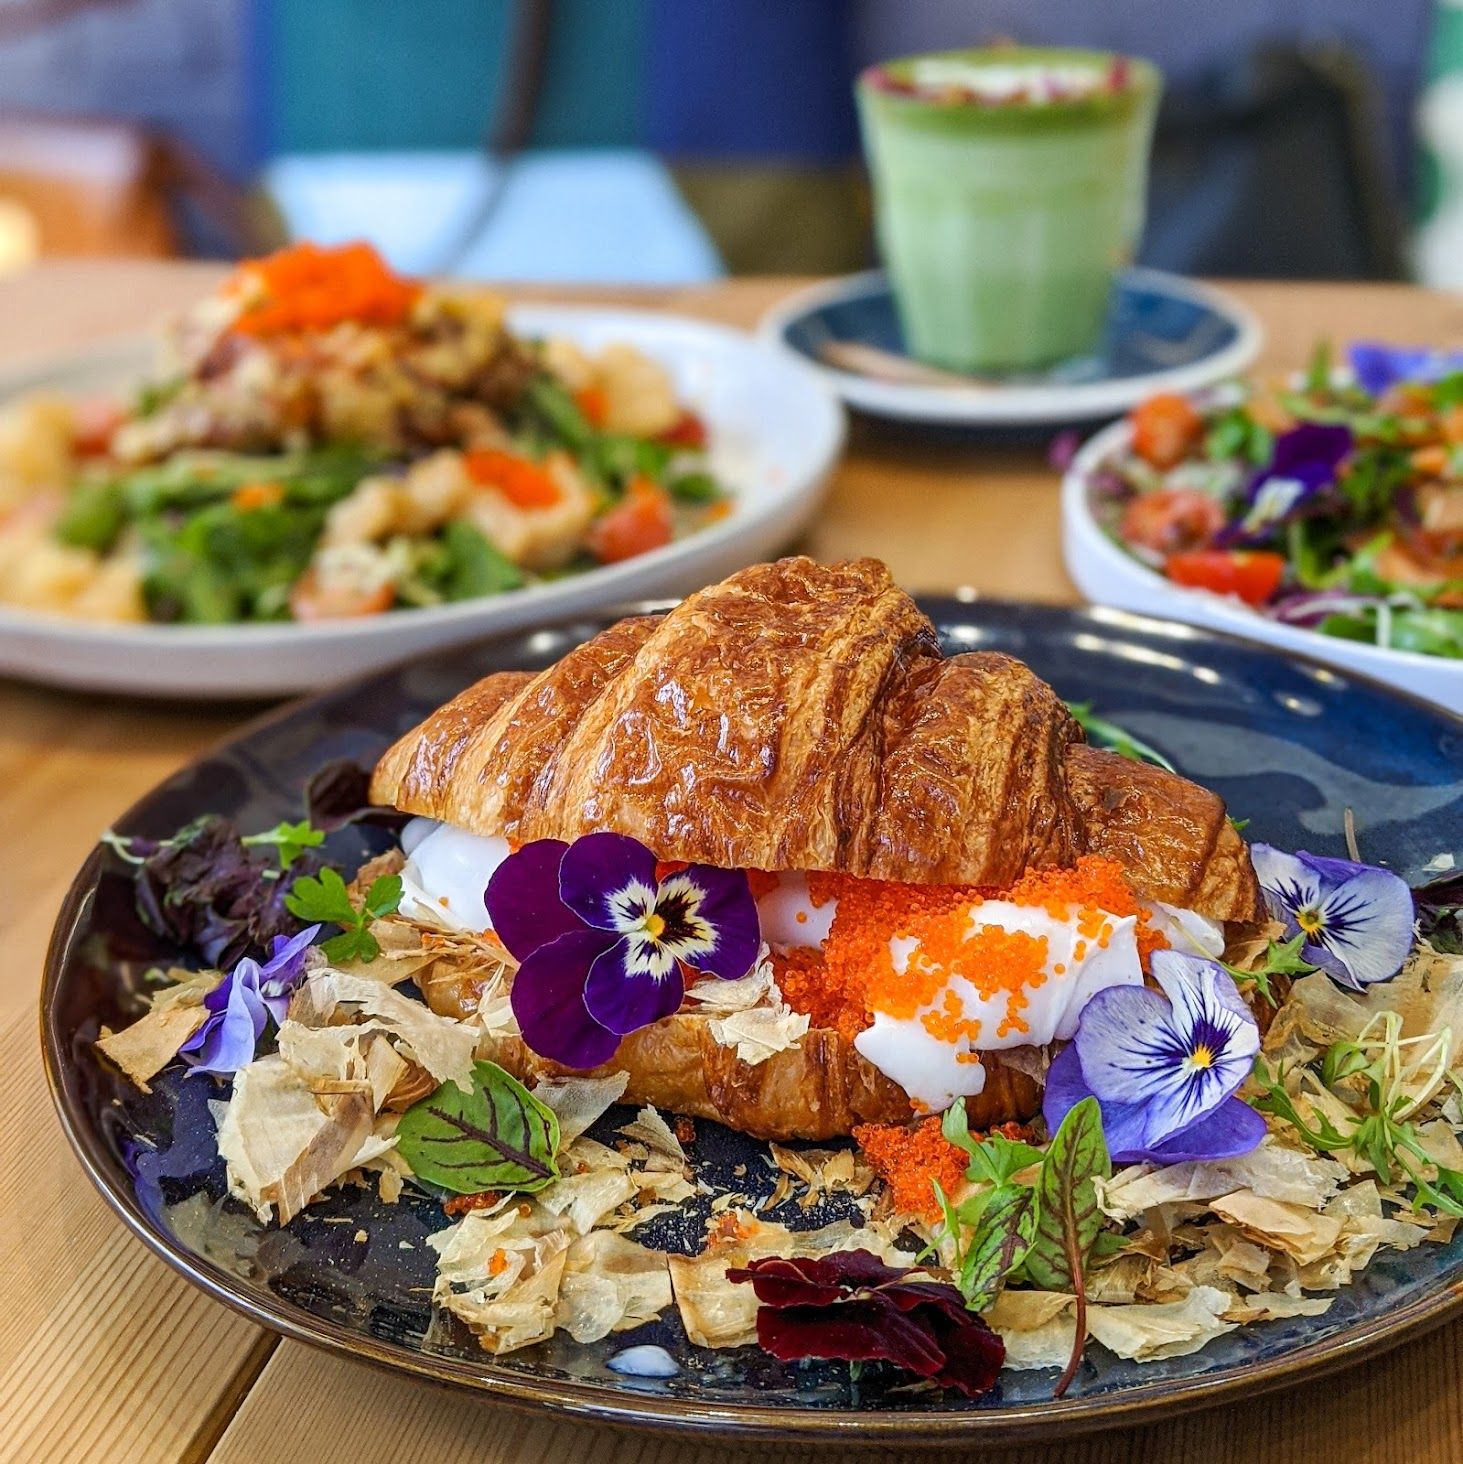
pixel 815 1280
pixel 866 1330
pixel 851 1307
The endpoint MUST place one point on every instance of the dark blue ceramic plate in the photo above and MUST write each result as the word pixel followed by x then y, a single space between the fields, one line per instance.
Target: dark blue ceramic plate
pixel 1163 333
pixel 1289 745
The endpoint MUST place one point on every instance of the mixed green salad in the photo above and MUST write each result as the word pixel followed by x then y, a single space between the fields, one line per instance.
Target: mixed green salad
pixel 1334 503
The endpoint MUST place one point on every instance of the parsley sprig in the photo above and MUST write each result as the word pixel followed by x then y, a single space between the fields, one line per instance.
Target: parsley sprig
pixel 326 901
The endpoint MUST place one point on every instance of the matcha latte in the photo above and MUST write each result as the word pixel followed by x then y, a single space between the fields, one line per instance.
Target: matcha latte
pixel 1009 188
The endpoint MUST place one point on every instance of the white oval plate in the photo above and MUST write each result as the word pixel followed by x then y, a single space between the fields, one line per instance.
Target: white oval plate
pixel 776 431
pixel 1107 575
pixel 1164 333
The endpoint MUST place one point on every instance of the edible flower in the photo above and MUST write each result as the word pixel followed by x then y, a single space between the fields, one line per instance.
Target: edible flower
pixel 602 934
pixel 1302 463
pixel 851 1307
pixel 1356 919
pixel 1163 1068
pixel 242 1003
pixel 1378 367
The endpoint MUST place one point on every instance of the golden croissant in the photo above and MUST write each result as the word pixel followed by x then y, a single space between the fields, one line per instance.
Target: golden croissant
pixel 801 717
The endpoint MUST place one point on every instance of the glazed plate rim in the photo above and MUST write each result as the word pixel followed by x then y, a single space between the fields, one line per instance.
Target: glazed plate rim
pixel 602 1402
pixel 1023 404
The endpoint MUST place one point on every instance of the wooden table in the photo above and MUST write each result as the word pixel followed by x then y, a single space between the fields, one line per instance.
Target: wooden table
pixel 105 1354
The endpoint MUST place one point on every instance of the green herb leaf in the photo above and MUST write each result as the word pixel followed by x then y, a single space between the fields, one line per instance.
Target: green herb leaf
pixel 326 901
pixel 1115 738
pixel 1069 1218
pixel 1001 1241
pixel 322 900
pixel 290 840
pixel 496 1137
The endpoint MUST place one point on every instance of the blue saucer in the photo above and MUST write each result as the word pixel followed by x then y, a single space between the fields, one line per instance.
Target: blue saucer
pixel 1163 333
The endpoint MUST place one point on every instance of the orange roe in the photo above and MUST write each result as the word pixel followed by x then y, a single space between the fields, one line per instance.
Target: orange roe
pixel 498 1262
pixel 856 973
pixel 908 1159
pixel 307 287
pixel 762 881
pixel 1149 940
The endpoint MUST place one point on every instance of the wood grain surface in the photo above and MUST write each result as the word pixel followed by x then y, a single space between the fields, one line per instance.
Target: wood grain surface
pixel 105 1355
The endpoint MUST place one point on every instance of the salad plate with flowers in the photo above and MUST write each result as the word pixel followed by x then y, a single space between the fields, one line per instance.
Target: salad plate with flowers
pixel 322 467
pixel 1322 514
pixel 798 1012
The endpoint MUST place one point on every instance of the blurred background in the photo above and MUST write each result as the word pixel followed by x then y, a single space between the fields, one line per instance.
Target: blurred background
pixel 673 141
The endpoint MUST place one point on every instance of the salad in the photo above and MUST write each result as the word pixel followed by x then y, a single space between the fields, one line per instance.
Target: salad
pixel 1334 504
pixel 321 438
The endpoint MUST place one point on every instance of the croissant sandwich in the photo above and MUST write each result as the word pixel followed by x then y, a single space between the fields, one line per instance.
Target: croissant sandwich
pixel 789 867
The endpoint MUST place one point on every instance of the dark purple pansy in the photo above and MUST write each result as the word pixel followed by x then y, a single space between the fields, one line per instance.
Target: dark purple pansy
pixel 241 1004
pixel 601 938
pixel 1356 919
pixel 851 1307
pixel 1303 463
pixel 1163 1068
pixel 1378 367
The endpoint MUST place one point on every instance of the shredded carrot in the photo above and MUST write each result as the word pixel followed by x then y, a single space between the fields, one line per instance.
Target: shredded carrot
pixel 307 287
pixel 908 1159
pixel 249 496
pixel 523 483
pixel 593 405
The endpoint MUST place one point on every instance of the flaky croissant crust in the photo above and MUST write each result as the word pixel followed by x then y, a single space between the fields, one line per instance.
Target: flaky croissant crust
pixel 801 716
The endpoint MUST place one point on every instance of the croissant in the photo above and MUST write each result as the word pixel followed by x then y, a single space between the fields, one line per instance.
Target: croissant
pixel 798 716
pixel 801 716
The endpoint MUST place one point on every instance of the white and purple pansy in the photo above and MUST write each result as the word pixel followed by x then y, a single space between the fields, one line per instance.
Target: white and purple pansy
pixel 602 934
pixel 1164 1068
pixel 1356 919
pixel 241 1004
pixel 1378 367
pixel 1303 463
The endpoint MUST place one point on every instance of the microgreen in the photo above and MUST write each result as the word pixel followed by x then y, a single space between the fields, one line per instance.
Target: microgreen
pixel 1115 738
pixel 1362 1102
pixel 289 840
pixel 1282 958
pixel 326 901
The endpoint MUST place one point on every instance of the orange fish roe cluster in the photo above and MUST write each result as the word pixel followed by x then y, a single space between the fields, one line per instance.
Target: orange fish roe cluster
pixel 762 882
pixel 807 987
pixel 307 287
pixel 857 972
pixel 1149 940
pixel 1093 883
pixel 908 1159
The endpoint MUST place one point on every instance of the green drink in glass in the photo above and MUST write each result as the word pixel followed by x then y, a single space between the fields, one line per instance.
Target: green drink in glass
pixel 1009 188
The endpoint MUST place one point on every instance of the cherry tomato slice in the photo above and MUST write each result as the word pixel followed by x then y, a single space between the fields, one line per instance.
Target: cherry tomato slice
pixel 1251 576
pixel 640 522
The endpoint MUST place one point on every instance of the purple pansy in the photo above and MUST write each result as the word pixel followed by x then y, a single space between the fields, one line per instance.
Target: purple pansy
pixel 1303 463
pixel 1163 1068
pixel 1378 367
pixel 240 1005
pixel 601 939
pixel 1356 919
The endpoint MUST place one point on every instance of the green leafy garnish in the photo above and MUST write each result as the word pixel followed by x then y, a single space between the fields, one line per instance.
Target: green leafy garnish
pixel 326 901
pixel 1372 1085
pixel 472 566
pixel 1115 738
pixel 1001 1242
pixel 1282 958
pixel 1068 1219
pixel 498 1136
pixel 290 840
